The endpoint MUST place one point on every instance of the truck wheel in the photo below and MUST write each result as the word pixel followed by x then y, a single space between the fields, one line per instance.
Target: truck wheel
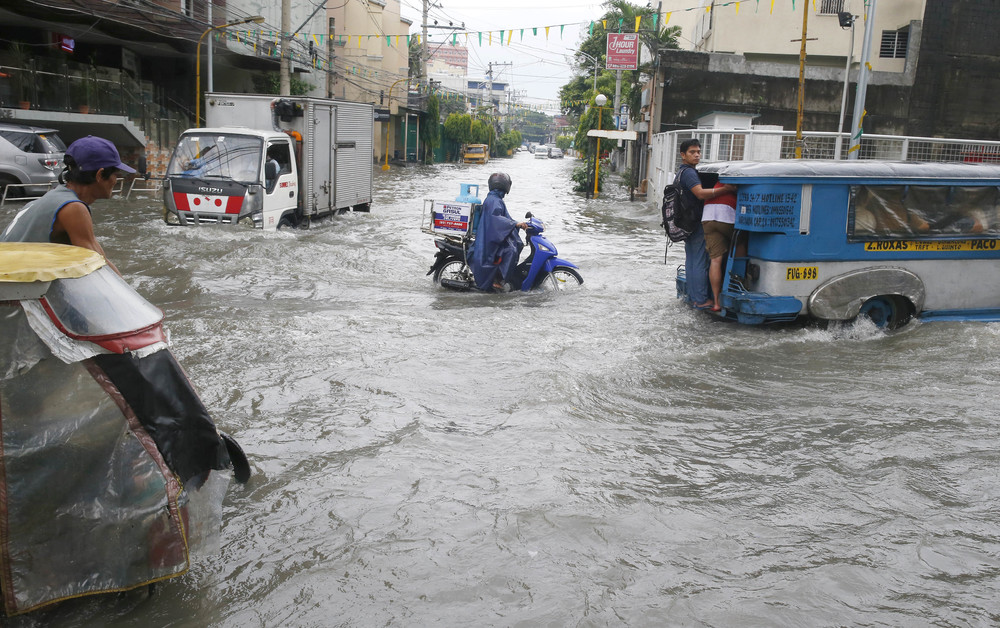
pixel 887 311
pixel 285 221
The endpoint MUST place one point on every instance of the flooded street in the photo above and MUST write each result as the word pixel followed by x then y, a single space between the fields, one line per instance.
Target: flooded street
pixel 599 458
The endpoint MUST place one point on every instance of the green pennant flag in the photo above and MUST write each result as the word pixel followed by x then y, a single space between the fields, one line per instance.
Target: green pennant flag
pixel 522 34
pixel 454 39
pixel 387 42
pixel 562 27
pixel 407 41
pixel 480 38
pixel 621 19
pixel 534 31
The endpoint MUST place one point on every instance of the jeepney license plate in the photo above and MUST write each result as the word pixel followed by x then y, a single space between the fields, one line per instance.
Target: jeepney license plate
pixel 801 272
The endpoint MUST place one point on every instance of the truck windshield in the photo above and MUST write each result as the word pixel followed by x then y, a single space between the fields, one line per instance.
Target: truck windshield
pixel 203 155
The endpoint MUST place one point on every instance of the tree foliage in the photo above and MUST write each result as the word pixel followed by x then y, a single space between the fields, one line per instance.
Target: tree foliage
pixel 430 130
pixel 619 16
pixel 588 121
pixel 458 128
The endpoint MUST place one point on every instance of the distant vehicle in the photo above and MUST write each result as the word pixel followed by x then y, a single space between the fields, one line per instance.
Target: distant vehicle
pixel 522 147
pixel 555 153
pixel 541 152
pixel 31 159
pixel 295 159
pixel 476 154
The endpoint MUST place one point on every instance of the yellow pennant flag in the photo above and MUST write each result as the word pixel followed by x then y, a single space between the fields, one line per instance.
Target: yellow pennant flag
pixel 491 38
pixel 666 20
pixel 772 7
pixel 546 33
pixel 397 41
pixel 510 34
pixel 737 8
pixel 638 19
pixel 605 24
pixel 359 41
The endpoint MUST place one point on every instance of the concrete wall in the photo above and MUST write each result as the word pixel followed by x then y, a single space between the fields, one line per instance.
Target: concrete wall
pixel 958 78
pixel 949 86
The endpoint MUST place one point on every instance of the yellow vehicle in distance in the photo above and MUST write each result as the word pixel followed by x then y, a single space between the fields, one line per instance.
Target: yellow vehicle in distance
pixel 476 153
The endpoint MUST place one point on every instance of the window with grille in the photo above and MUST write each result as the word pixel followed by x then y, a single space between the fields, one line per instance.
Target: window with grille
pixel 832 6
pixel 894 44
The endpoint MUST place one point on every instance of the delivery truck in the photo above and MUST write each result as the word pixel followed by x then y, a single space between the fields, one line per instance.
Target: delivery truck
pixel 269 162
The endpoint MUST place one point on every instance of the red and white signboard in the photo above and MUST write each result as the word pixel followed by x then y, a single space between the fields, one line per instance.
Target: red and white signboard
pixel 623 51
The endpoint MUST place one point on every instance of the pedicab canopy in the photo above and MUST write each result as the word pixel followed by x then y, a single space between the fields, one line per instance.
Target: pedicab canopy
pixel 107 452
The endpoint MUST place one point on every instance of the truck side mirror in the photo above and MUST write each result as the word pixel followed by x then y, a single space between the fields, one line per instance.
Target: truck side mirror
pixel 271 170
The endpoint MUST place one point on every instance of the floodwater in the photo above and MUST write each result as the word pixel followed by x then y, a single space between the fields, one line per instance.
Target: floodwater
pixel 599 458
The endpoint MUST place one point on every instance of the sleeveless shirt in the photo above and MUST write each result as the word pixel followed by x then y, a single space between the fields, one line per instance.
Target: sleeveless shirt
pixel 34 222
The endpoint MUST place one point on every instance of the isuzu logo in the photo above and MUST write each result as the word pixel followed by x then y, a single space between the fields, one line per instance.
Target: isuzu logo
pixel 208 190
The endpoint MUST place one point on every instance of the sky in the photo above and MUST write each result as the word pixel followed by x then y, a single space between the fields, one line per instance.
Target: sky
pixel 540 65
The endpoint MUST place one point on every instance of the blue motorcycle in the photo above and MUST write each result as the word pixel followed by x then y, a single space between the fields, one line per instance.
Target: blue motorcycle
pixel 541 270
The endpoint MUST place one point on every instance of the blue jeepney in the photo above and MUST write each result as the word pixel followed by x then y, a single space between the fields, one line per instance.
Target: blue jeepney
pixel 832 240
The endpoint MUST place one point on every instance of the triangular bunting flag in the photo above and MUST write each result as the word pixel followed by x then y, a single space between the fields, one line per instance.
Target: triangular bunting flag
pixel 638 19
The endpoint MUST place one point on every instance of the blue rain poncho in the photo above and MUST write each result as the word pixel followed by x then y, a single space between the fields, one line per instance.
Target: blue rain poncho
pixel 497 244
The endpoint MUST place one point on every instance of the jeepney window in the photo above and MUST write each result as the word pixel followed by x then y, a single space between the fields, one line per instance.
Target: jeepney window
pixel 236 157
pixel 923 211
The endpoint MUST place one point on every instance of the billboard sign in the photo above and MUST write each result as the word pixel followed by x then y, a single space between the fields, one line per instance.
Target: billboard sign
pixel 623 51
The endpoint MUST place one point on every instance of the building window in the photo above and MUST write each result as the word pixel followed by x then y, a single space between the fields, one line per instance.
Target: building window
pixel 894 44
pixel 832 7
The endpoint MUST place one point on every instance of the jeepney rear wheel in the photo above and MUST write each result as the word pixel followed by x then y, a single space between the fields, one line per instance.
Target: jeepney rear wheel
pixel 887 311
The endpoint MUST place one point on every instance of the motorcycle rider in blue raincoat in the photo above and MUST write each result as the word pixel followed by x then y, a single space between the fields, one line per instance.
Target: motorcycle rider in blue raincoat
pixel 497 245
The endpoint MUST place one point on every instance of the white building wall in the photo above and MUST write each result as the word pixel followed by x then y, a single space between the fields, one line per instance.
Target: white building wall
pixel 756 31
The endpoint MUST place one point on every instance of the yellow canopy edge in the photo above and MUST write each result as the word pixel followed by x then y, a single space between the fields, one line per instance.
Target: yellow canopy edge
pixel 25 262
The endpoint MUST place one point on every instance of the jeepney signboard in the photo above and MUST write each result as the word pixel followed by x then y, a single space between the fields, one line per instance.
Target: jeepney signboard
pixel 623 51
pixel 769 208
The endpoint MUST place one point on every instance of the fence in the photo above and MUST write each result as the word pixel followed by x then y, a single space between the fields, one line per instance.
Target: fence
pixel 770 145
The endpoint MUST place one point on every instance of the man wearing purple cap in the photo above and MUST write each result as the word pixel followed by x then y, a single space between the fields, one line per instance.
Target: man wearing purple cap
pixel 63 214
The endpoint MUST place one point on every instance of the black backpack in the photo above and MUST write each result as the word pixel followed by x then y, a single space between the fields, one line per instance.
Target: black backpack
pixel 679 219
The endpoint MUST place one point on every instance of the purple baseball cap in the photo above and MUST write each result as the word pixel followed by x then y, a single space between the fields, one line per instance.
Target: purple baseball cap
pixel 93 153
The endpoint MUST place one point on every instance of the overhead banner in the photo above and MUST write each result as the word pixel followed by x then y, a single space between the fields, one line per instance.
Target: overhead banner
pixel 623 51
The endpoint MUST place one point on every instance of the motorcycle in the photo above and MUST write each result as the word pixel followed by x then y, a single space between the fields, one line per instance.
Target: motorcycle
pixel 540 270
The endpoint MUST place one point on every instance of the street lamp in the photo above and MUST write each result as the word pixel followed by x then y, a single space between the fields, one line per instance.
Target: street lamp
pixel 846 21
pixel 388 124
pixel 256 19
pixel 597 66
pixel 600 101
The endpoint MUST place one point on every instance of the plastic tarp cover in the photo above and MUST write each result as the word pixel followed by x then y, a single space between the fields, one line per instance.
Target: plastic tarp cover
pixel 89 504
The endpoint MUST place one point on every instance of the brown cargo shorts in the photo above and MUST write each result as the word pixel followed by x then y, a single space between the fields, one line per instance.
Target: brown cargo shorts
pixel 718 235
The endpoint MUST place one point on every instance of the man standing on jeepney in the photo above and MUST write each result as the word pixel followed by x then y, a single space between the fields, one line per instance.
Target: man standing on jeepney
pixel 696 260
pixel 63 214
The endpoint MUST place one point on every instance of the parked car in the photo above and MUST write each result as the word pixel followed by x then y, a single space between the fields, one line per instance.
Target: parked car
pixel 30 156
pixel 541 152
pixel 555 153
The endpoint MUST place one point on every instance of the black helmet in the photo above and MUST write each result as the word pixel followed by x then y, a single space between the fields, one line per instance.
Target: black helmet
pixel 500 181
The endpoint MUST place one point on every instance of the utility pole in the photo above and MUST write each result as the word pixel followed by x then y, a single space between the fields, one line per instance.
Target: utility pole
pixel 285 72
pixel 211 22
pixel 863 71
pixel 423 43
pixel 802 82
